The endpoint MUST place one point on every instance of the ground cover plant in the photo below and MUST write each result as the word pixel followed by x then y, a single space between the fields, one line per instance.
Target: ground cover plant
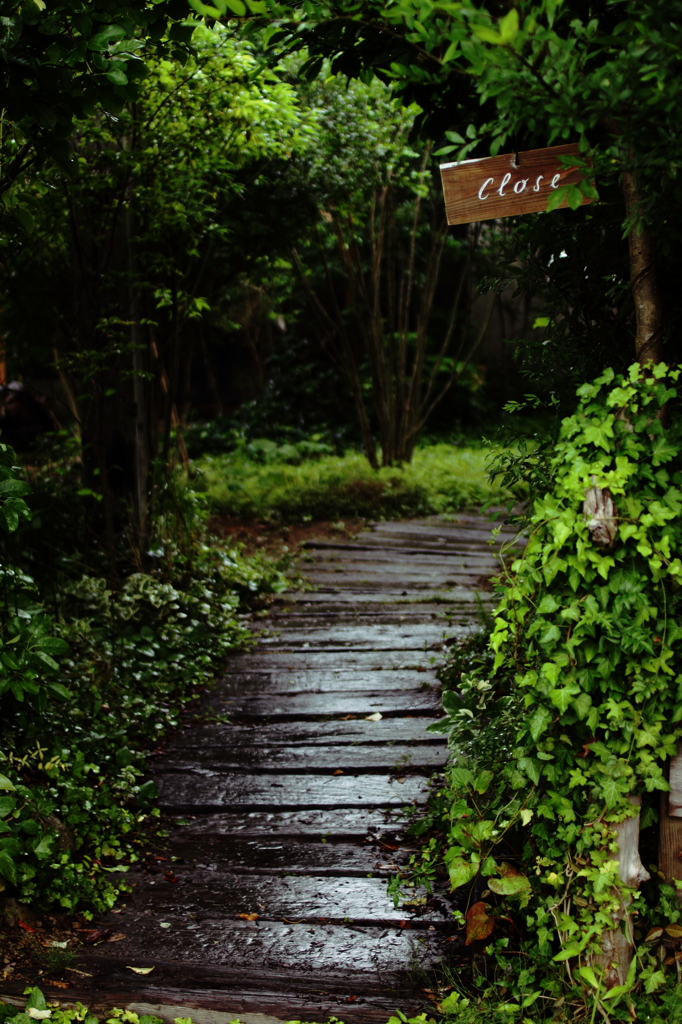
pixel 274 481
pixel 93 672
pixel 561 718
pixel 37 1008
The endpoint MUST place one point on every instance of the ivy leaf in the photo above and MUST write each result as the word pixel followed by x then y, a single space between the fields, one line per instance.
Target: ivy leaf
pixel 44 847
pixel 610 790
pixel 582 704
pixel 663 450
pixel 551 634
pixel 562 698
pixel 539 722
pixel 654 982
pixel 531 767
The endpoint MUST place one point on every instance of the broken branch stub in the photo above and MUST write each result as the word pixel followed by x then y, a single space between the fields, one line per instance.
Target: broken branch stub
pixel 600 514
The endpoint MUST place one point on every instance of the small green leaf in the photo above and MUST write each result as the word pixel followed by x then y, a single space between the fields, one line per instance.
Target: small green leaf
pixel 8 868
pixel 109 34
pixel 588 975
pixel 461 872
pixel 6 785
pixel 116 74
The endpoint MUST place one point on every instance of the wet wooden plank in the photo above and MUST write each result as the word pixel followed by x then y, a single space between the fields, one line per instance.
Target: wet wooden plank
pixel 320 856
pixel 204 894
pixel 371 658
pixel 321 759
pixel 202 792
pixel 341 823
pixel 376 607
pixel 341 558
pixel 286 707
pixel 397 637
pixel 244 953
pixel 453 528
pixel 446 597
pixel 400 732
pixel 285 681
pixel 387 575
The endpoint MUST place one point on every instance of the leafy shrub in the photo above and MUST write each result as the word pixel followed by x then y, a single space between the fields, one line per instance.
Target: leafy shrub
pixel 72 753
pixel 440 478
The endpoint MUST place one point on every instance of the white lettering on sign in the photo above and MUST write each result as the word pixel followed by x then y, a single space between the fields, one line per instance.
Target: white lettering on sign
pixel 488 181
pixel 518 187
pixel 505 182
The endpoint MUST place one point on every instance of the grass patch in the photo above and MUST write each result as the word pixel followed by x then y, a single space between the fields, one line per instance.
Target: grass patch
pixel 441 478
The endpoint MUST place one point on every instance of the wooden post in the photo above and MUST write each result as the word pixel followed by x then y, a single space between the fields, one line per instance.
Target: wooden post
pixel 618 943
pixel 670 825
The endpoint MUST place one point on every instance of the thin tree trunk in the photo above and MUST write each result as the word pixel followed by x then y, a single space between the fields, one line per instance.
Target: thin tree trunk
pixel 643 279
pixel 107 502
pixel 643 272
pixel 141 448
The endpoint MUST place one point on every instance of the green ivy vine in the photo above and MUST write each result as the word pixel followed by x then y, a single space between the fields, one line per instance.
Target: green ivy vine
pixel 582 705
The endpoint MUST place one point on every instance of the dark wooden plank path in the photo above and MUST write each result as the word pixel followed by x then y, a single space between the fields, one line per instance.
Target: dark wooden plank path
pixel 296 811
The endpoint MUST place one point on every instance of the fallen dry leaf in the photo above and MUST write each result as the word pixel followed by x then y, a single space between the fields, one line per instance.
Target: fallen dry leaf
pixel 339 771
pixel 674 931
pixel 92 935
pixel 26 927
pixel 376 717
pixel 654 934
pixel 57 984
pixel 117 937
pixel 140 970
pixel 249 917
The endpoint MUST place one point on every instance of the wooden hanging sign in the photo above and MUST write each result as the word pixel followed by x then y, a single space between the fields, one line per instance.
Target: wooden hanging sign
pixel 502 186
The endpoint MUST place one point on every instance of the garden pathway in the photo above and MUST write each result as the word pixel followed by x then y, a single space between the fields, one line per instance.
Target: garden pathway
pixel 276 908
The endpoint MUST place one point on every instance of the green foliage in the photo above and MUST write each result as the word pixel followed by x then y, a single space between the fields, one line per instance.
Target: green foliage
pixel 575 703
pixel 86 691
pixel 441 478
pixel 61 62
